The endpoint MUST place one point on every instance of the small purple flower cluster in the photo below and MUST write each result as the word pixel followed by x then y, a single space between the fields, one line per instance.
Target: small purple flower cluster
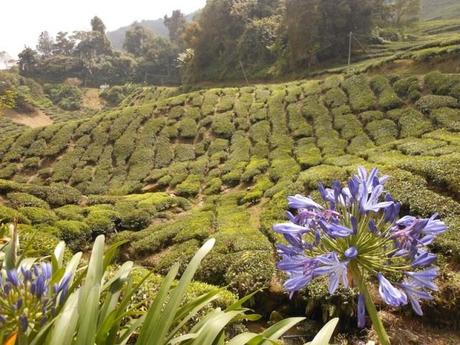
pixel 357 227
pixel 27 298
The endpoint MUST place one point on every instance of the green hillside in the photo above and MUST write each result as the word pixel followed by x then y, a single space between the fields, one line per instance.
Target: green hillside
pixel 167 173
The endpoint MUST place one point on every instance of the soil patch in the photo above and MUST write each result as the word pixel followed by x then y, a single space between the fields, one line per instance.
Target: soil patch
pixel 91 100
pixel 33 120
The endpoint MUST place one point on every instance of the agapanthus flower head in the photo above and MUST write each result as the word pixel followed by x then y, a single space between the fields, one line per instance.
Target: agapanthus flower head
pixel 356 228
pixel 28 298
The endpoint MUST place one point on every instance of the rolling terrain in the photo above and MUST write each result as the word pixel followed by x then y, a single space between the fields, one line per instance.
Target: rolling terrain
pixel 165 174
pixel 167 169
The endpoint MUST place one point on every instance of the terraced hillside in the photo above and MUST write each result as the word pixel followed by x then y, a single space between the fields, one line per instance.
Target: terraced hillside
pixel 167 173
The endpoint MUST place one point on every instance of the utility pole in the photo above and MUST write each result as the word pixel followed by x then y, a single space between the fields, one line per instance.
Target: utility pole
pixel 244 72
pixel 349 47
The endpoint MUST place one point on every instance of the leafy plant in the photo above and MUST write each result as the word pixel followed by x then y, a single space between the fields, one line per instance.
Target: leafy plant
pixel 91 304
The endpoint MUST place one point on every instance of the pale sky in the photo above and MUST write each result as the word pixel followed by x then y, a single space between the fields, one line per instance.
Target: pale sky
pixel 22 21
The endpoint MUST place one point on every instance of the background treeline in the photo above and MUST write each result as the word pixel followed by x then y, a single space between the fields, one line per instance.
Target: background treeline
pixel 228 39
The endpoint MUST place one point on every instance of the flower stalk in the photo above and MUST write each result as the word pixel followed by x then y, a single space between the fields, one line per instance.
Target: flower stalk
pixel 370 306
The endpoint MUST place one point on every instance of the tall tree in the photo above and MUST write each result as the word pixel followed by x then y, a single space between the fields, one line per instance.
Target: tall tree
pixel 215 44
pixel 337 18
pixel 302 32
pixel 27 60
pixel 138 39
pixel 63 44
pixel 176 27
pixel 98 25
pixel 45 44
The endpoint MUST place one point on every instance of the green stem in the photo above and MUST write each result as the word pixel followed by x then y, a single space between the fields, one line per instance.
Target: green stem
pixel 370 306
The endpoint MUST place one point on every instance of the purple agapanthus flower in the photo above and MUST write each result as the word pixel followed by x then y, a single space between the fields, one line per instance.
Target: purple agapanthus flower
pixel 425 278
pixel 329 265
pixel 415 294
pixel 29 297
pixel 356 229
pixel 391 295
pixel 290 228
pixel 299 202
pixel 361 311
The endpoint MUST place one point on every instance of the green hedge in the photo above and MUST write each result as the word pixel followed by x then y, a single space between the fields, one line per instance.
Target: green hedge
pixel 38 215
pixel 361 96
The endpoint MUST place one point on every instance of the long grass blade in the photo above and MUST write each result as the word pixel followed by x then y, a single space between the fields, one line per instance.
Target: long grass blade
pixel 170 310
pixel 325 334
pixel 147 332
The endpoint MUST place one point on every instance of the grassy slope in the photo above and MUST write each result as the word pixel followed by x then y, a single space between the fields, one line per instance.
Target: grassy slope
pixel 223 148
pixel 166 170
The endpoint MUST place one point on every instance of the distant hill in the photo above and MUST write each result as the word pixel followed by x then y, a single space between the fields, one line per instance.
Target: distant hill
pixel 435 9
pixel 157 26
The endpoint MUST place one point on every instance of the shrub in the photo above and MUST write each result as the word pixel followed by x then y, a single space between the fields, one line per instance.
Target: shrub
pixel 260 131
pixel 413 192
pixel 258 112
pixel 256 167
pixel 222 125
pixel 180 253
pixel 116 94
pixel 226 102
pixel 441 84
pixel 176 112
pixel 297 123
pixel 153 239
pixel 307 154
pixel 411 122
pixel 360 143
pixel 102 221
pixel 408 87
pixel 8 171
pixel 250 270
pixel 349 126
pixel 134 219
pixel 282 164
pixel 325 174
pixel 441 172
pixel 190 187
pixel 198 226
pixel 18 200
pixel 214 186
pixel 184 152
pixel 38 215
pixel 447 117
pixel 387 97
pixel 209 102
pixel 218 145
pixel 76 234
pixel 359 92
pixel 382 131
pixel 179 172
pixel 294 92
pixel 429 102
pixel 70 212
pixel 335 97
pixel 163 152
pixel 67 97
pixel 9 215
pixel 188 128
pixel 36 243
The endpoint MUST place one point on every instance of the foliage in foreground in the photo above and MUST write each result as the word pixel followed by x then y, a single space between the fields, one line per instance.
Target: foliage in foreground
pixel 74 303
